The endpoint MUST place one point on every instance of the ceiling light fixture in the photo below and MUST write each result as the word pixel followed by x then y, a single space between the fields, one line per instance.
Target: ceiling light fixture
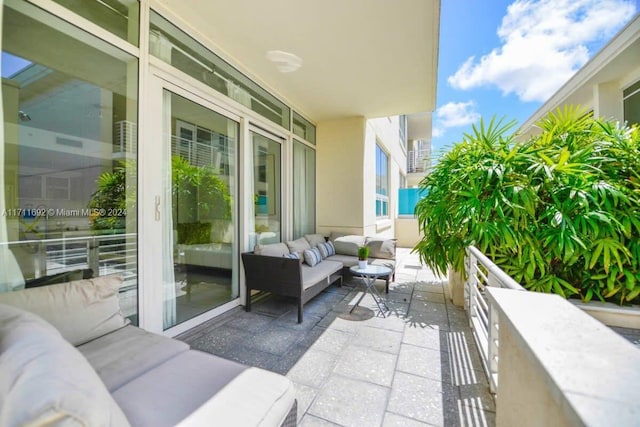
pixel 285 62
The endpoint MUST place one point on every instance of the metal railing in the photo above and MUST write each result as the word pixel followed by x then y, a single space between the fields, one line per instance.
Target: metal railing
pixel 483 317
pixel 418 160
pixel 125 138
pixel 108 254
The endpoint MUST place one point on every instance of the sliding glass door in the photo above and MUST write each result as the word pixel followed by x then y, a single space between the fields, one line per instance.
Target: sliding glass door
pixel 198 172
pixel 267 192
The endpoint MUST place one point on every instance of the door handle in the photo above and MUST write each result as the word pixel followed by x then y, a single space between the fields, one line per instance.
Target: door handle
pixel 157 212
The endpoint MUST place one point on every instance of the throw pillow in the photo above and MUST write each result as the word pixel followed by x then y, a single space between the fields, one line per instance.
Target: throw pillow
pixel 381 248
pixel 45 380
pixel 272 249
pixel 81 310
pixel 326 249
pixel 298 245
pixel 314 239
pixel 312 256
pixel 294 255
pixel 348 245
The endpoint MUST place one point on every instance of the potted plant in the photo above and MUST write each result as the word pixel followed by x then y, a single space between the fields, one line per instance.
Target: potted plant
pixel 558 212
pixel 363 256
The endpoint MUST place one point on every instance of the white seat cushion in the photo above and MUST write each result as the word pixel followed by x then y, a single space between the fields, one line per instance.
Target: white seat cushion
pixel 312 275
pixel 80 310
pixel 254 398
pixel 127 353
pixel 45 381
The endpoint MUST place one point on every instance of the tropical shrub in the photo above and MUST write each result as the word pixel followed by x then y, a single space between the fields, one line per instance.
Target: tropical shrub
pixel 201 200
pixel 559 212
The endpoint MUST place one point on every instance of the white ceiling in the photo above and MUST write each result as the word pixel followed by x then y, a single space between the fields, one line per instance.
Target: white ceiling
pixel 369 58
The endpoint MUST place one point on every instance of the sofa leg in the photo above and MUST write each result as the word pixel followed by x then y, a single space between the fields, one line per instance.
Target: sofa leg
pixel 387 285
pixel 247 305
pixel 300 311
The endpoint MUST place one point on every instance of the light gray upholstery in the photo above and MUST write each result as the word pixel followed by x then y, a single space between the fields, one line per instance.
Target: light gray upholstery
pixel 314 239
pixel 346 260
pixel 151 380
pixel 171 391
pixel 348 245
pixel 381 248
pixel 312 275
pixel 45 381
pixel 272 249
pixel 81 310
pixel 126 353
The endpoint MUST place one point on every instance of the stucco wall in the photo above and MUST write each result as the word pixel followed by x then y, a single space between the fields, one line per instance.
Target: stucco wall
pixel 340 165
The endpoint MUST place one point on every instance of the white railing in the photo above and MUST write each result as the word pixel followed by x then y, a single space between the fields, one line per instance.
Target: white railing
pixel 125 138
pixel 417 160
pixel 104 255
pixel 197 153
pixel 483 317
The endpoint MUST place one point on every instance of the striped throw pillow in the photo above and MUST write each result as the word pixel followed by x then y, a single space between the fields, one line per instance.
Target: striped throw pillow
pixel 312 256
pixel 292 255
pixel 326 249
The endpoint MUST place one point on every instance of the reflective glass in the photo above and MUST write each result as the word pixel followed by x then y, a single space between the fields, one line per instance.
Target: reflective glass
pixel 68 175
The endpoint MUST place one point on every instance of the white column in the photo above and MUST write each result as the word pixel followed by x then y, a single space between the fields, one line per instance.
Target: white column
pixel 607 101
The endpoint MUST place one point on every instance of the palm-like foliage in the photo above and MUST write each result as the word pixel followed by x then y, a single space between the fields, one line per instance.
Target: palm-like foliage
pixel 559 212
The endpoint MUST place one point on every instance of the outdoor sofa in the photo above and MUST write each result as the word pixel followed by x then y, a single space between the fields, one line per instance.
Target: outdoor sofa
pixel 293 269
pixel 69 357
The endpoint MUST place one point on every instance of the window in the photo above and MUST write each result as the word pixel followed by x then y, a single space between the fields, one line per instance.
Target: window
pixel 403 131
pixel 304 190
pixel 168 43
pixel 66 184
pixel 382 183
pixel 117 16
pixel 303 128
pixel 631 104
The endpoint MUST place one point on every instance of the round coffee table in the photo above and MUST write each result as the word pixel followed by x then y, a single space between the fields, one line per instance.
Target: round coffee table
pixel 369 275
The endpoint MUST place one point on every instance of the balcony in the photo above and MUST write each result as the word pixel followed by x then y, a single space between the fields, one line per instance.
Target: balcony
pixel 418 161
pixel 419 364
pixel 423 364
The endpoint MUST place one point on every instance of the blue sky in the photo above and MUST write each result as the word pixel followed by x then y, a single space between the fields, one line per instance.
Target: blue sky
pixel 506 57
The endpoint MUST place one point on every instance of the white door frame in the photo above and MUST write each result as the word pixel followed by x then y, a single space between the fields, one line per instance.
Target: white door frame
pixel 149 214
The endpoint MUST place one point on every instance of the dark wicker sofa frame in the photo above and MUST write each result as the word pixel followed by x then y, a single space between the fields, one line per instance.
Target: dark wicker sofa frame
pixel 281 276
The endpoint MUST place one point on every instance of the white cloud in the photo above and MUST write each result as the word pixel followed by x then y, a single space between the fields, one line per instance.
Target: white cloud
pixel 456 114
pixel 437 131
pixel 544 42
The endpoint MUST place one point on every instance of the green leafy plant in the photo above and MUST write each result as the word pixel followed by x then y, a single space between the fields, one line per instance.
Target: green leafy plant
pixel 363 253
pixel 113 196
pixel 559 212
pixel 201 200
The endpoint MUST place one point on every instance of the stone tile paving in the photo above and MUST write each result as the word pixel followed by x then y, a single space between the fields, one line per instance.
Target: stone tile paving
pixel 416 367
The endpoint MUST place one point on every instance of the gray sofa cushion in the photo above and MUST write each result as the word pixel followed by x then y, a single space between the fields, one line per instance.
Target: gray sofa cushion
pixel 45 381
pixel 81 310
pixel 348 245
pixel 127 353
pixel 381 248
pixel 346 260
pixel 171 391
pixel 314 239
pixel 272 249
pixel 298 245
pixel 312 275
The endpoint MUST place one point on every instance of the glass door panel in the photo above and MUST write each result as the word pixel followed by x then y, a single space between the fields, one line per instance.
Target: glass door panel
pixel 266 189
pixel 199 224
pixel 68 156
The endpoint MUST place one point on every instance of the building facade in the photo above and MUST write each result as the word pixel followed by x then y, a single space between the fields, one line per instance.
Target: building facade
pixel 156 140
pixel 608 86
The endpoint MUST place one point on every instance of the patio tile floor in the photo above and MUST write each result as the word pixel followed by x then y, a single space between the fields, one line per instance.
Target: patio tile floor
pixel 417 366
